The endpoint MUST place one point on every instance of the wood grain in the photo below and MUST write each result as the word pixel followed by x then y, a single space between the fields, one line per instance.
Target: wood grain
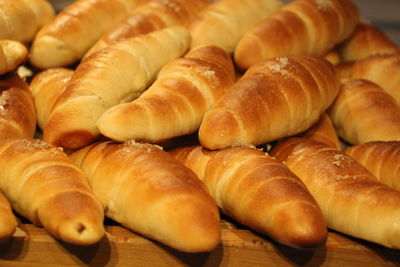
pixel 32 246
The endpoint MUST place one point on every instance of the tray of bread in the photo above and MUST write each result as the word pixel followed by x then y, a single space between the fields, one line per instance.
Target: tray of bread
pixel 267 133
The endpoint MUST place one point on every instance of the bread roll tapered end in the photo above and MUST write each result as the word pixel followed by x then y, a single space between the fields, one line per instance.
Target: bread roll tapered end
pixel 55 51
pixel 12 55
pixel 7 226
pixel 200 235
pixel 8 223
pixel 307 232
pixel 73 217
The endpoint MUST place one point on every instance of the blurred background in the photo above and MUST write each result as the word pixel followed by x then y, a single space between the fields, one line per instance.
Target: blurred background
pixel 383 14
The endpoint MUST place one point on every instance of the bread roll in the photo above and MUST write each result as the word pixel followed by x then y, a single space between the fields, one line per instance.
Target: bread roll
pixel 151 16
pixel 176 102
pixel 75 29
pixel 114 75
pixel 47 188
pixel 21 19
pixel 383 70
pixel 364 112
pixel 46 86
pixel 351 199
pixel 259 192
pixel 366 40
pixel 276 98
pixel 310 27
pixel 381 158
pixel 12 55
pixel 146 190
pixel 223 22
pixel 323 131
pixel 8 222
pixel 17 110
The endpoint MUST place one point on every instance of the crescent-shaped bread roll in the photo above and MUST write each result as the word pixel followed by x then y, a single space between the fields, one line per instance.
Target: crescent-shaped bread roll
pixel 223 22
pixel 176 102
pixel 383 70
pixel 114 75
pixel 8 222
pixel 21 19
pixel 75 29
pixel 301 27
pixel 323 131
pixel 146 190
pixel 351 199
pixel 17 110
pixel 364 112
pixel 12 55
pixel 151 16
pixel 258 191
pixel 47 188
pixel 366 40
pixel 276 98
pixel 381 158
pixel 46 87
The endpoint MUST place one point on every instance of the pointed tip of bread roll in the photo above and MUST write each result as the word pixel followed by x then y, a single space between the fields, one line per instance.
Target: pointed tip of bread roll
pixel 80 232
pixel 15 53
pixel 189 226
pixel 308 231
pixel 124 122
pixel 73 217
pixel 50 52
pixel 219 129
pixel 8 224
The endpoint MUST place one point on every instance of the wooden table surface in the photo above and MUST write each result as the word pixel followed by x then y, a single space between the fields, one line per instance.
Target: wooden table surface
pixel 32 246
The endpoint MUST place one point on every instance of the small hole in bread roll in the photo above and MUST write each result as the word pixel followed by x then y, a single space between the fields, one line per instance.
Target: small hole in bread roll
pixel 80 228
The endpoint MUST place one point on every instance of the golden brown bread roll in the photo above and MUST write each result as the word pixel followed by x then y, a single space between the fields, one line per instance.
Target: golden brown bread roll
pixel 351 199
pixel 17 110
pixel 148 191
pixel 8 222
pixel 151 16
pixel 310 27
pixel 223 22
pixel 259 192
pixel 366 40
pixel 117 74
pixel 21 19
pixel 75 29
pixel 381 158
pixel 12 55
pixel 323 131
pixel 176 102
pixel 47 188
pixel 46 86
pixel 276 98
pixel 383 70
pixel 364 112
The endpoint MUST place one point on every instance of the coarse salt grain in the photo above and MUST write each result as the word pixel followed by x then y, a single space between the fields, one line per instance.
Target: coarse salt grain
pixel 280 66
pixel 3 100
pixel 130 145
pixel 172 5
pixel 31 145
pixel 323 5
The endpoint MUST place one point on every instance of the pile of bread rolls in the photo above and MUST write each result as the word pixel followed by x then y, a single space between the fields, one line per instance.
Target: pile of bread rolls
pixel 160 114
